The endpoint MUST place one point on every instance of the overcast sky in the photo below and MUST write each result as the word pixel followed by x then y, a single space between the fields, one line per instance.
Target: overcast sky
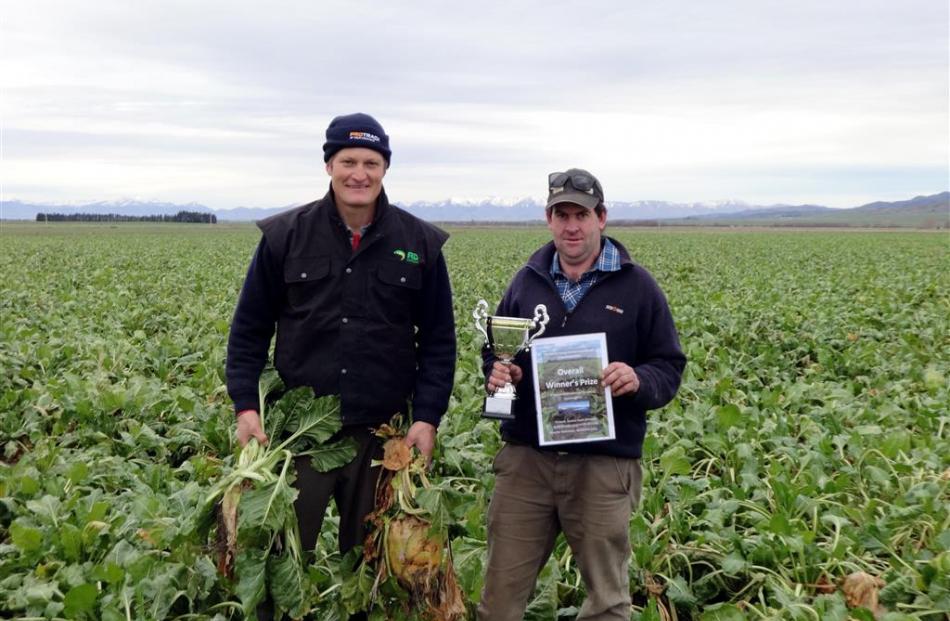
pixel 225 103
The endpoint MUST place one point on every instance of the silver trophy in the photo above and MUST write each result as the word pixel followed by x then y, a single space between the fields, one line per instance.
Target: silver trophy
pixel 506 337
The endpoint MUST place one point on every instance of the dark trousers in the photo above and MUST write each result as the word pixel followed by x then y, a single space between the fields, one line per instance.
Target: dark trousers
pixel 352 486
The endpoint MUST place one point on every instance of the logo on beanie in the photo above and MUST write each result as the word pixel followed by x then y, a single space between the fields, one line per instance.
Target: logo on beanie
pixel 364 136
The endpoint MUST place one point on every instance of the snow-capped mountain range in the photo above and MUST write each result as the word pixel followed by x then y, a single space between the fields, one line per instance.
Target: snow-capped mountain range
pixel 494 209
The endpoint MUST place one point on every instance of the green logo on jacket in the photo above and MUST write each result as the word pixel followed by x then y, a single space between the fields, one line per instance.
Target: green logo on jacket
pixel 406 255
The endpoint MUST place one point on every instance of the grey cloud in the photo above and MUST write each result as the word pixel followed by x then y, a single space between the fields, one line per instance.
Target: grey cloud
pixel 244 81
pixel 415 50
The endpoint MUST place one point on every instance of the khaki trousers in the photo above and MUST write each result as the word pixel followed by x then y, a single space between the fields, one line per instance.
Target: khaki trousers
pixel 538 494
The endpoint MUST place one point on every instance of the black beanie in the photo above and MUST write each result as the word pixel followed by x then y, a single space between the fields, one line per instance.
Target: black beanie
pixel 354 131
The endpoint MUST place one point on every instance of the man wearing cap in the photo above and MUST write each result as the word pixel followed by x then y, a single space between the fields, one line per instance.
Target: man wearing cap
pixel 358 293
pixel 589 284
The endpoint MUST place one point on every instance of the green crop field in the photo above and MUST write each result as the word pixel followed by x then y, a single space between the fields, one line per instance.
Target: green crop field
pixel 809 443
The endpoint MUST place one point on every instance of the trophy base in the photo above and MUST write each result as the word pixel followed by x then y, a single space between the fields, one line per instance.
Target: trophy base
pixel 498 408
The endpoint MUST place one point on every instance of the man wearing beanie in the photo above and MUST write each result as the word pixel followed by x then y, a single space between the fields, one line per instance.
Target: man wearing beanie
pixel 358 294
pixel 585 489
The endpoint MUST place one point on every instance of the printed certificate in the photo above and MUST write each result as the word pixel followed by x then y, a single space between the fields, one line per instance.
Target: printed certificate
pixel 572 406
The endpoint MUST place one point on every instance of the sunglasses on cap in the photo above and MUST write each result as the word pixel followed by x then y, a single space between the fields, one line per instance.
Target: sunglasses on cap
pixel 582 182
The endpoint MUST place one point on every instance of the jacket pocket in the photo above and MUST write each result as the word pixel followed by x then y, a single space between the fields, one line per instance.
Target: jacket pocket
pixel 305 269
pixel 400 275
pixel 303 278
pixel 396 292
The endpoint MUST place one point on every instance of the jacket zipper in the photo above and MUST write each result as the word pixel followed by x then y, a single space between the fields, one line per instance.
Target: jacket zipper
pixel 568 313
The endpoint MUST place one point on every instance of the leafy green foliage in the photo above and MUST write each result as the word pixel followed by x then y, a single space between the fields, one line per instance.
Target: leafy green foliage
pixel 809 439
pixel 255 501
pixel 251 571
pixel 289 587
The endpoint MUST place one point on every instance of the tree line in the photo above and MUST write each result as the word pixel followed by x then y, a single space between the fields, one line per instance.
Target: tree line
pixel 181 216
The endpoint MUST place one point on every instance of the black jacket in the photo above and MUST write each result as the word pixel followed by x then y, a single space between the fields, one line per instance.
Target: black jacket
pixel 631 309
pixel 374 326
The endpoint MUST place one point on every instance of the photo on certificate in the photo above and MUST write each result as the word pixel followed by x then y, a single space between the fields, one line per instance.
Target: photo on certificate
pixel 572 406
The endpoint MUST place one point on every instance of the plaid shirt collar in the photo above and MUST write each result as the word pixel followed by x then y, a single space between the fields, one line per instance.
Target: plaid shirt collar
pixel 572 292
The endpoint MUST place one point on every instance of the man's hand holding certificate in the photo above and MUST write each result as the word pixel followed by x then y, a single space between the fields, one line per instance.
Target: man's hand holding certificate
pixel 621 379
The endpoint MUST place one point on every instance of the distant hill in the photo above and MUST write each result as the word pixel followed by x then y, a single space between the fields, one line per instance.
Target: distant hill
pixel 925 211
pixel 922 211
pixel 933 202
pixel 931 211
pixel 774 211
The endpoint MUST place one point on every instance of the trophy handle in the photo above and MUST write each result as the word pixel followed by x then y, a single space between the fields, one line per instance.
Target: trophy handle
pixel 540 320
pixel 480 314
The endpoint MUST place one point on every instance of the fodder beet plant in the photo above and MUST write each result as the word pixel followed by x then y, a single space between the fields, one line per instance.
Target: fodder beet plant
pixel 801 473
